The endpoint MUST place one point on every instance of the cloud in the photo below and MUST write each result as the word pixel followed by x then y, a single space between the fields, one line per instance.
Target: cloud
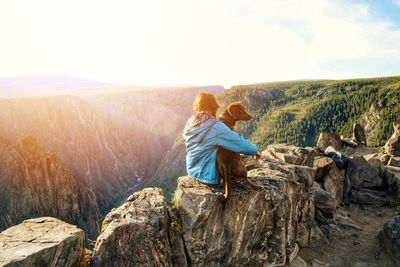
pixel 198 42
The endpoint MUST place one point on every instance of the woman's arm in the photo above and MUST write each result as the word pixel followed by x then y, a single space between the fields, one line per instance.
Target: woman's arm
pixel 232 141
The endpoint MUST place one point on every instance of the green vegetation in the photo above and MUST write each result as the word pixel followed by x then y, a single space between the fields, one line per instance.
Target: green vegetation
pixel 298 111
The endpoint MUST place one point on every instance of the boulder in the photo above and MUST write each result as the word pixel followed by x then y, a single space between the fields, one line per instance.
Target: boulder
pixel 342 219
pixel 42 241
pixel 290 154
pixel 377 159
pixel 323 200
pixel 298 262
pixel 138 234
pixel 329 139
pixel 340 158
pixel 390 238
pixel 359 134
pixel 348 143
pixel 394 161
pixel 392 146
pixel 392 181
pixel 254 228
pixel 362 174
pixel 369 197
pixel 333 183
pixel 323 166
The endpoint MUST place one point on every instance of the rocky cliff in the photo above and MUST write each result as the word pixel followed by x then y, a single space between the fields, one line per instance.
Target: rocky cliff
pixel 255 228
pixel 300 207
pixel 42 241
pixel 97 153
pixel 111 142
pixel 35 183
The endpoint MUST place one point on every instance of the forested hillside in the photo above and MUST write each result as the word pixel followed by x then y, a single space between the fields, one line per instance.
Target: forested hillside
pixel 296 112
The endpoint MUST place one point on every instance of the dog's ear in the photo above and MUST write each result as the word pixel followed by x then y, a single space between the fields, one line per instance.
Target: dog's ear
pixel 236 109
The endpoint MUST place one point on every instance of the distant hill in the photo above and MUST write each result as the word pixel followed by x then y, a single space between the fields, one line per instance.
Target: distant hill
pixel 296 112
pixel 59 84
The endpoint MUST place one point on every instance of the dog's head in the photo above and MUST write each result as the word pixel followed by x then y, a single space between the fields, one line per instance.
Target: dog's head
pixel 238 112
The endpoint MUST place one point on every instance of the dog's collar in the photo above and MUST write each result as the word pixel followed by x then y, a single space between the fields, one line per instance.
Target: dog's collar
pixel 228 117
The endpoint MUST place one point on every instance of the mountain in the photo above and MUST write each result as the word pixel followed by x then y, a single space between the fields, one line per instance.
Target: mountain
pixel 110 140
pixel 55 84
pixel 35 183
pixel 155 116
pixel 98 153
pixel 296 112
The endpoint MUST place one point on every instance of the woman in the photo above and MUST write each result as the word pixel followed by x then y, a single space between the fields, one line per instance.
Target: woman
pixel 203 135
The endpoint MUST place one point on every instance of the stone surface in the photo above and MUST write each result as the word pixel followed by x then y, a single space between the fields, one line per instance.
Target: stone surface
pixel 377 159
pixel 390 238
pixel 34 183
pixel 341 159
pixel 362 174
pixel 359 134
pixel 369 197
pixel 298 262
pixel 254 228
pixel 394 161
pixel 392 146
pixel 392 180
pixel 290 154
pixel 138 234
pixel 323 165
pixel 333 183
pixel 323 200
pixel 329 139
pixel 42 241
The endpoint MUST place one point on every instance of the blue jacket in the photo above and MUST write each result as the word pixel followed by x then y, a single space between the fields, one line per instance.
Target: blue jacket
pixel 202 141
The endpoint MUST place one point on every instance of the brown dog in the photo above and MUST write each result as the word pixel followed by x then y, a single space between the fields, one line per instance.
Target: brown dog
pixel 229 163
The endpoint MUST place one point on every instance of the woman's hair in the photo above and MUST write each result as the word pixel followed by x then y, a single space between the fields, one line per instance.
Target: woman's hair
pixel 206 102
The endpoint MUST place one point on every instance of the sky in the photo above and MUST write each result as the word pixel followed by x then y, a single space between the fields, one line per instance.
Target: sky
pixel 185 42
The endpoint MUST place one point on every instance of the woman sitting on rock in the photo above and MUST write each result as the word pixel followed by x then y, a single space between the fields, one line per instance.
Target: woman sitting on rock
pixel 203 135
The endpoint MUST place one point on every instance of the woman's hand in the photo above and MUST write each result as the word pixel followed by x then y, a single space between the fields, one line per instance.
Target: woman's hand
pixel 257 156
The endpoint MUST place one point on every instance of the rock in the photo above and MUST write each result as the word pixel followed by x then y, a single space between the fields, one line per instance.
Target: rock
pixel 331 231
pixel 42 241
pixel 333 183
pixel 392 146
pixel 255 228
pixel 392 181
pixel 341 219
pixel 364 264
pixel 323 200
pixel 377 159
pixel 390 238
pixel 323 165
pixel 369 197
pixel 310 235
pixel 318 263
pixel 394 161
pixel 329 139
pixel 298 262
pixel 34 183
pixel 338 157
pixel 359 134
pixel 349 143
pixel 137 234
pixel 362 174
pixel 290 154
pixel 250 162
